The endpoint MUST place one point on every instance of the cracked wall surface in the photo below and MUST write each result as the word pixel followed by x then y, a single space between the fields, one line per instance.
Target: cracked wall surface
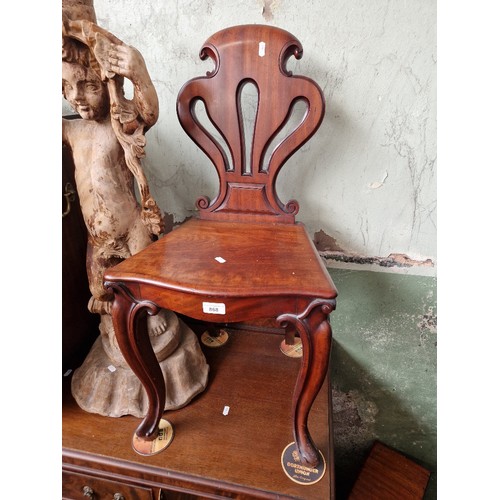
pixel 384 361
pixel 367 179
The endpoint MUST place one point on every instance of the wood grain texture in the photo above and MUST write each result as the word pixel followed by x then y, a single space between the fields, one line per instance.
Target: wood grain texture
pixel 75 485
pixel 243 54
pixel 212 455
pixel 387 474
pixel 260 260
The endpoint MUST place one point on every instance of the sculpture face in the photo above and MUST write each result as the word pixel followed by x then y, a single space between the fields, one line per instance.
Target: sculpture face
pixel 84 91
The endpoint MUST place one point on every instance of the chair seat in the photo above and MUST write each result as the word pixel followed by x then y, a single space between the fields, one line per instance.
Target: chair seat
pixel 259 260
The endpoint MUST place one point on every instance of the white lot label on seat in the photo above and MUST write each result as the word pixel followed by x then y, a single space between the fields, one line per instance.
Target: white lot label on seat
pixel 262 49
pixel 214 308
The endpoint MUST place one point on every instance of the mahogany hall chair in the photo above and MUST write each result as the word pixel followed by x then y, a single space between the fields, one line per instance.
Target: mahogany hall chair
pixel 271 268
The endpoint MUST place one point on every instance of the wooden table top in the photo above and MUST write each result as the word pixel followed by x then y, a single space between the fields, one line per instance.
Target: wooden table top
pixel 255 380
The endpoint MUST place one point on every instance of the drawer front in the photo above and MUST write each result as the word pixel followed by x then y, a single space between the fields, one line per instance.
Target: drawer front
pixel 82 487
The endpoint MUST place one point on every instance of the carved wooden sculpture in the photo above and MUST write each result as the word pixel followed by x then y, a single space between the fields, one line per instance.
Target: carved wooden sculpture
pixel 107 143
pixel 270 267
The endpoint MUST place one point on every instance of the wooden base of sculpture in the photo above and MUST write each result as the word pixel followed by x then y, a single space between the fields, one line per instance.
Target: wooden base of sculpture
pixel 105 384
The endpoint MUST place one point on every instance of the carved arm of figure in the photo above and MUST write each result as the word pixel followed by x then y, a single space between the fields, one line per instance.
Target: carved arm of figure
pixel 115 60
pixel 127 61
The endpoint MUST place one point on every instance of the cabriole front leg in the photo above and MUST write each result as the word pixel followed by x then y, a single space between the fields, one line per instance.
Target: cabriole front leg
pixel 129 321
pixel 316 336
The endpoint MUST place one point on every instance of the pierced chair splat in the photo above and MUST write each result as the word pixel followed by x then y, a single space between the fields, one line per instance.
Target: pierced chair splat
pixel 271 268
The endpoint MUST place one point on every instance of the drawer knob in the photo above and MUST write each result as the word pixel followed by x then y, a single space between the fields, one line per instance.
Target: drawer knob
pixel 88 492
pixel 118 496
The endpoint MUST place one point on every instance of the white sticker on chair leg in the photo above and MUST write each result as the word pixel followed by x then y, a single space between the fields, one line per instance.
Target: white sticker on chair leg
pixel 225 411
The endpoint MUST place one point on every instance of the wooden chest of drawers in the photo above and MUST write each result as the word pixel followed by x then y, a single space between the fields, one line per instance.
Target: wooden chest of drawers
pixel 78 485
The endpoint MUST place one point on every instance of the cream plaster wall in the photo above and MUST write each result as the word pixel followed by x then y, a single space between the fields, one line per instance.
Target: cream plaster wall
pixel 368 177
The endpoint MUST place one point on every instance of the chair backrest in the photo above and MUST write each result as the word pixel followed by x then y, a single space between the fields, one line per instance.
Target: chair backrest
pixel 255 54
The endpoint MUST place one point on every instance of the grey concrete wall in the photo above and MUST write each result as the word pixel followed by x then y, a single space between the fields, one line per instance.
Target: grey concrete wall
pixel 366 182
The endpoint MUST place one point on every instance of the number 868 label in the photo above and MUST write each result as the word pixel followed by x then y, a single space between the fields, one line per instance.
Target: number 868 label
pixel 214 308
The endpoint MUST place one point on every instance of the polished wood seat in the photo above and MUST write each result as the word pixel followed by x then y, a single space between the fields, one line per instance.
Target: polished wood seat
pixel 280 260
pixel 244 256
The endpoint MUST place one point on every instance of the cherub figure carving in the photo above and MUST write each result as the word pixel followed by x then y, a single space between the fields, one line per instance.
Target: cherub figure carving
pixel 107 143
pixel 107 146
